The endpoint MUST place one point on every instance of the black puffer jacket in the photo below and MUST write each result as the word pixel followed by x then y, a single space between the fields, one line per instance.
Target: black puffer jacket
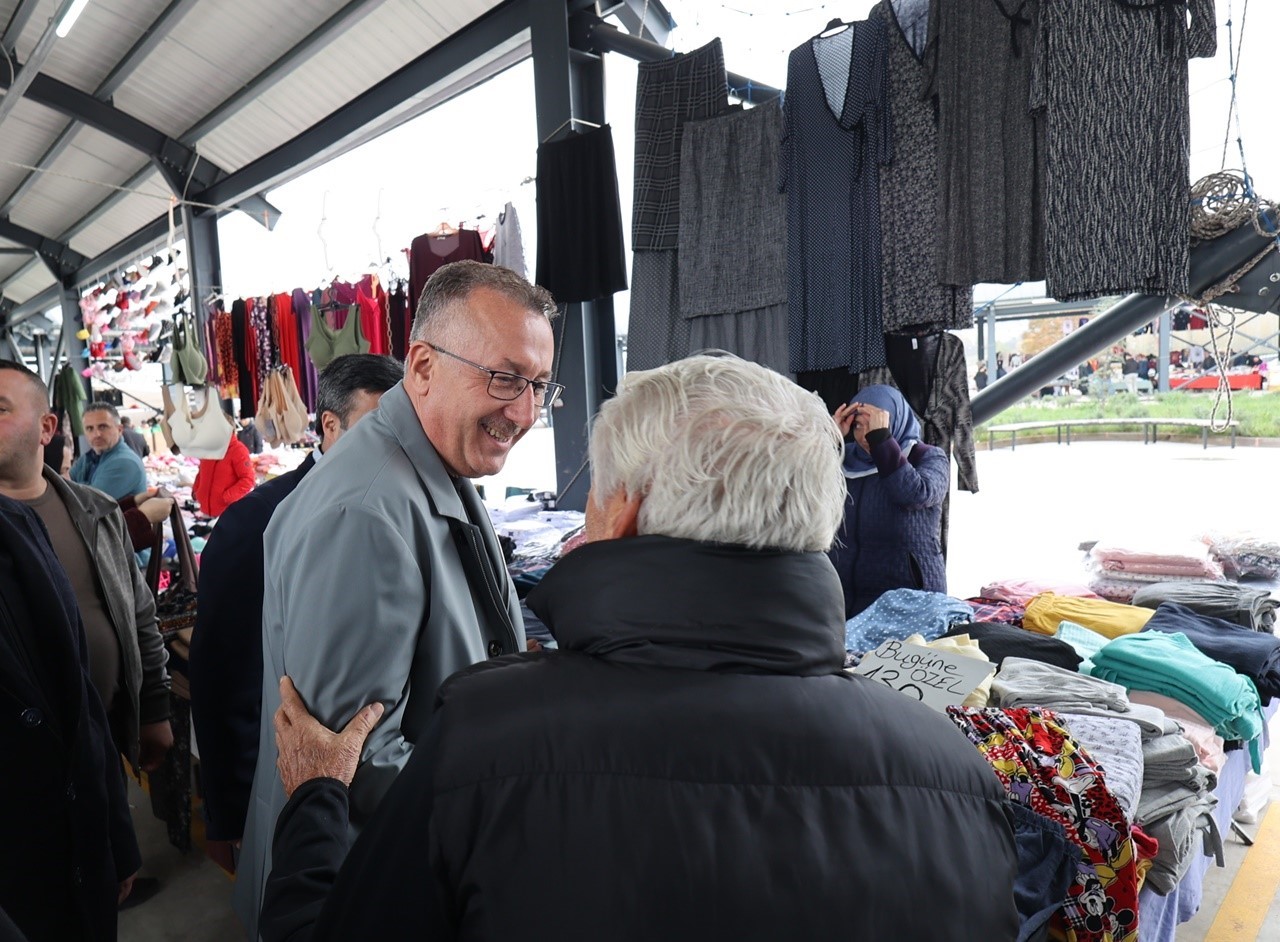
pixel 692 764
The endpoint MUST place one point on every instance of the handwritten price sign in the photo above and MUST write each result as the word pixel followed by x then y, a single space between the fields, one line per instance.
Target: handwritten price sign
pixel 937 679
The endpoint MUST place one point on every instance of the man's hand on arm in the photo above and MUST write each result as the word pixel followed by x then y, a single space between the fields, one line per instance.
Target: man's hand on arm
pixel 308 750
pixel 154 742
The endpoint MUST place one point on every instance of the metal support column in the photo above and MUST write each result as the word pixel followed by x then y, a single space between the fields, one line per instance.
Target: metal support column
pixel 40 343
pixel 1163 355
pixel 992 369
pixel 570 84
pixel 77 349
pixel 204 258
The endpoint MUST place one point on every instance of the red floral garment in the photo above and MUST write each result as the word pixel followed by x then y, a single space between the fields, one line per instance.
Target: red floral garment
pixel 1046 770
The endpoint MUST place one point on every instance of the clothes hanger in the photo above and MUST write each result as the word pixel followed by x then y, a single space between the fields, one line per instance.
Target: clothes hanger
pixel 833 28
pixel 568 121
pixel 443 230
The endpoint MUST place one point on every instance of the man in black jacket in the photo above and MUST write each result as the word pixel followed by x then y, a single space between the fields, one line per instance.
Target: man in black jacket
pixel 692 763
pixel 226 646
pixel 68 855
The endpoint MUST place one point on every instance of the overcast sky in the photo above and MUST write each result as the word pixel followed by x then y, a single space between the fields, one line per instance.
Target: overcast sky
pixel 468 156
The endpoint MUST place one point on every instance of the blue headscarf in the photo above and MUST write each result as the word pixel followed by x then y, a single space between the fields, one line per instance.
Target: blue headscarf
pixel 904 427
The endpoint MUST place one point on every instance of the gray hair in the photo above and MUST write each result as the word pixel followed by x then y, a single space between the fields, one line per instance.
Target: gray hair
pixel 436 314
pixel 723 451
pixel 100 406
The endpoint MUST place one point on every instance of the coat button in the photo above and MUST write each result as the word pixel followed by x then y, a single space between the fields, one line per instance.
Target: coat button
pixel 31 717
pixel 494 649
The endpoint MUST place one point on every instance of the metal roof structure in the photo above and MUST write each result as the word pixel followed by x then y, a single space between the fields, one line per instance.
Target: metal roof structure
pixel 217 100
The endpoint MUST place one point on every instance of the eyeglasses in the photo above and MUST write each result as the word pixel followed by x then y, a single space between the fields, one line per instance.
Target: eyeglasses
pixel 509 386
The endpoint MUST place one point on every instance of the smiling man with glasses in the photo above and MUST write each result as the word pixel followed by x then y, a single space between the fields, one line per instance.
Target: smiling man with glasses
pixel 383 573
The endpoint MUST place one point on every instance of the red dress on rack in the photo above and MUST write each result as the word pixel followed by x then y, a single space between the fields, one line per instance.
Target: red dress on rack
pixel 373 314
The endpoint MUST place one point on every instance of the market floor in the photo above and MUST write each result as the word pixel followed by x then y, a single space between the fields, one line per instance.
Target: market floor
pixel 1035 505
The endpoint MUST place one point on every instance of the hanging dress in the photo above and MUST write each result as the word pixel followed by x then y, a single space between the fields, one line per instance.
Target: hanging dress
pixel 837 136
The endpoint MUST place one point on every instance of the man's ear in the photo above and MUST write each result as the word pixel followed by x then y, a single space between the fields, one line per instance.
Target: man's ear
pixel 330 425
pixel 626 520
pixel 48 426
pixel 418 367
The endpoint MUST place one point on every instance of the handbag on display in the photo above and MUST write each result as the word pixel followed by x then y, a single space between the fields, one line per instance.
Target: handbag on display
pixel 170 785
pixel 282 415
pixel 176 605
pixel 190 367
pixel 205 433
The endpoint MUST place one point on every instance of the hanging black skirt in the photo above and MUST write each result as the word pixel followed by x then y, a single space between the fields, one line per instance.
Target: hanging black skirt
pixel 580 252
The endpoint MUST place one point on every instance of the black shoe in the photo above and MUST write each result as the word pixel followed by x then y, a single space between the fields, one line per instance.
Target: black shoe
pixel 143 889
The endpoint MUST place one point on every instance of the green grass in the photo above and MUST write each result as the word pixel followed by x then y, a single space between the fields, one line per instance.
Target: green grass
pixel 1257 413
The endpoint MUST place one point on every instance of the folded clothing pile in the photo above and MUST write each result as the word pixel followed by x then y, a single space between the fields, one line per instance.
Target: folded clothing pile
pixel 1116 570
pixel 1022 591
pixel 1176 808
pixel 1171 665
pixel 1209 746
pixel 1046 612
pixel 1043 768
pixel 1254 654
pixel 1251 607
pixel 1117 747
pixel 1024 683
pixel 999 641
pixel 1244 554
pixel 903 612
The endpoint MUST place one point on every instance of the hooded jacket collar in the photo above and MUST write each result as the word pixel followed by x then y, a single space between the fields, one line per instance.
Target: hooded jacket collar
pixel 665 602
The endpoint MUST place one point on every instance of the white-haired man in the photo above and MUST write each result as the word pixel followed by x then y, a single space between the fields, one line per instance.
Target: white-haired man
pixel 692 763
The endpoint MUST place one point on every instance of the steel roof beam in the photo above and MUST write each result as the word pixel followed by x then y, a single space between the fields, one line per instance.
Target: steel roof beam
pixel 282 68
pixel 18 22
pixel 648 20
pixel 59 256
pixel 182 168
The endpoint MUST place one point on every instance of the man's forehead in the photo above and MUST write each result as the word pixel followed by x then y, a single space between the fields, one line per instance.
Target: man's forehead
pixel 99 418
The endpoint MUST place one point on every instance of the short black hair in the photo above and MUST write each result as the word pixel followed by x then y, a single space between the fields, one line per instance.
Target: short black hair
pixel 32 376
pixel 100 406
pixel 349 374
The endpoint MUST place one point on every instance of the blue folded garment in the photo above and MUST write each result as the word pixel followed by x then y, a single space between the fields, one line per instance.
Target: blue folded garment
pixel 900 613
pixel 1255 654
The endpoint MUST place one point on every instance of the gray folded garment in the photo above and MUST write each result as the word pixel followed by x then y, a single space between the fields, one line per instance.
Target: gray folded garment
pixel 1183 836
pixel 1252 608
pixel 1169 758
pixel 1158 801
pixel 1022 682
pixel 1114 744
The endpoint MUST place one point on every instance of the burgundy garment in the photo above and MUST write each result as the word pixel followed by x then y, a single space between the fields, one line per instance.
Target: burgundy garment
pixel 428 253
pixel 307 377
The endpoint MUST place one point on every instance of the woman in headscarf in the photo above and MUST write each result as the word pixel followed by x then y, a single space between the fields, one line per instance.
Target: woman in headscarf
pixel 890 538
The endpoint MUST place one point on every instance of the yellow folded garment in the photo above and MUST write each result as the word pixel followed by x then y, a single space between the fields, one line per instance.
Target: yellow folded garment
pixel 964 646
pixel 1045 612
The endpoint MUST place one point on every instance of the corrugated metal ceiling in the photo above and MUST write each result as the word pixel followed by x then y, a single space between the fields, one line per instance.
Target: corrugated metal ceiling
pixel 213 51
pixel 394 34
pixel 78 180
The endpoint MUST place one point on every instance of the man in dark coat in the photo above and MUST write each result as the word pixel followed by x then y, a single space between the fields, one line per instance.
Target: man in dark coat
pixel 226 646
pixel 693 763
pixel 68 856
